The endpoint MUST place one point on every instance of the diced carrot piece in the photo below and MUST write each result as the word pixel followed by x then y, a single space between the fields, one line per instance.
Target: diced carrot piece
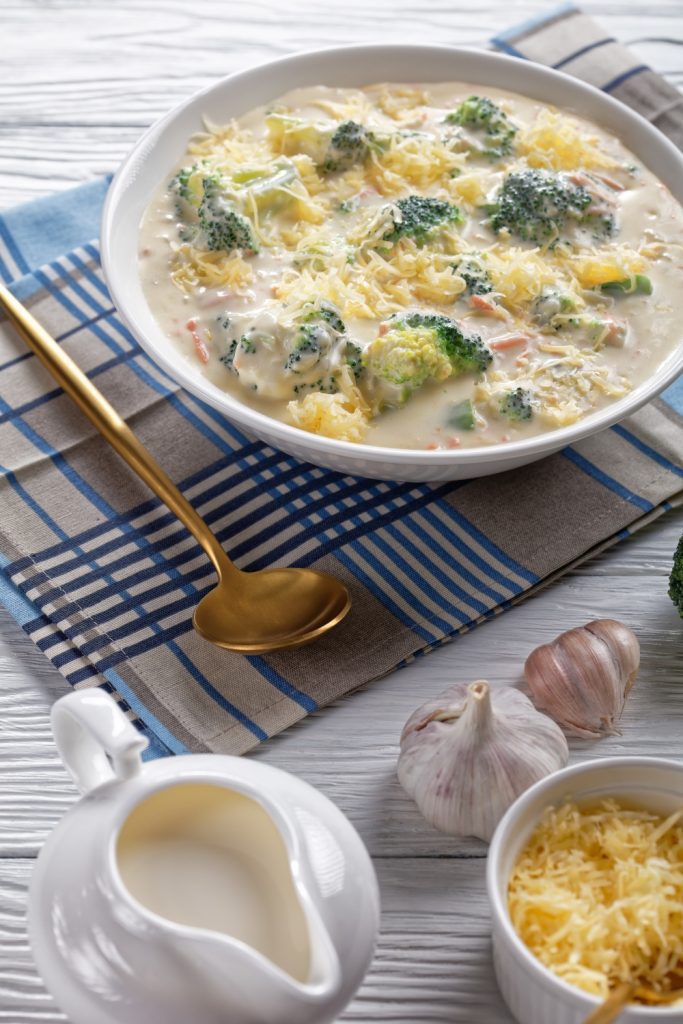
pixel 487 306
pixel 612 182
pixel 510 341
pixel 199 343
pixel 479 302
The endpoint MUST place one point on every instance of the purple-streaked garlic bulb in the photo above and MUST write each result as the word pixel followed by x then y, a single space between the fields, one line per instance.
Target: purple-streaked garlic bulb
pixel 467 755
pixel 583 677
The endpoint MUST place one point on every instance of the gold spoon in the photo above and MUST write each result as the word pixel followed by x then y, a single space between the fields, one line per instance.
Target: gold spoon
pixel 252 612
pixel 619 998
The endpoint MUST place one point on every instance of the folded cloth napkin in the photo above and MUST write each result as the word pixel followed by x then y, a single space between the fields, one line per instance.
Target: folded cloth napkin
pixel 104 580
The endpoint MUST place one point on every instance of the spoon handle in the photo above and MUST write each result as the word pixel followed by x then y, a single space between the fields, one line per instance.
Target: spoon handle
pixel 107 421
pixel 613 1005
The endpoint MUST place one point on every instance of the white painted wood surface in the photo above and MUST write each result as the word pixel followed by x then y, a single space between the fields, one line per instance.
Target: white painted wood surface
pixel 80 79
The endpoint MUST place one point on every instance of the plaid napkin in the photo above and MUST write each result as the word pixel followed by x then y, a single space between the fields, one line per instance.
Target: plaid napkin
pixel 104 580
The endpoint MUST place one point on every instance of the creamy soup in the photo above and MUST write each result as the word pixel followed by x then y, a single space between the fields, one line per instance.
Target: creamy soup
pixel 429 267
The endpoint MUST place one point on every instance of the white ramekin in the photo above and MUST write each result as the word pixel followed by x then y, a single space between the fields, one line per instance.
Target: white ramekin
pixel 534 994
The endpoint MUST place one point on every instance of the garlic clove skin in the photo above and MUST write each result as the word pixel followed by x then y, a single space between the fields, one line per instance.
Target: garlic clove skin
pixel 582 678
pixel 469 753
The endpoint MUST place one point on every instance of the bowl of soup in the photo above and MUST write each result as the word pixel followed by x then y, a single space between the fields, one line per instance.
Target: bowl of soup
pixel 405 262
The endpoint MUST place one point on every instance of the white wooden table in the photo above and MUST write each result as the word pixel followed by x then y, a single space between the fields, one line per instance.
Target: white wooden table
pixel 80 79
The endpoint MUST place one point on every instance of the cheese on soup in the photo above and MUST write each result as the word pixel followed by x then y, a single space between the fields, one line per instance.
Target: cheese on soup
pixel 433 266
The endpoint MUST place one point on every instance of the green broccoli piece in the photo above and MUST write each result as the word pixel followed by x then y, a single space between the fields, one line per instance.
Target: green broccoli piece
pixel 461 415
pixel 465 352
pixel 265 186
pixel 516 405
pixel 549 304
pixel 317 333
pixel 475 276
pixel 636 284
pixel 208 209
pixel 482 115
pixel 186 185
pixel 420 218
pixel 676 579
pixel 349 205
pixel 353 357
pixel 350 144
pixel 329 314
pixel 333 148
pixel 223 226
pixel 291 135
pixel 228 359
pixel 417 348
pixel 539 206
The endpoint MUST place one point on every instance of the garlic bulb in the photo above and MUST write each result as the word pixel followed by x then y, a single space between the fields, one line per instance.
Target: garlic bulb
pixel 469 753
pixel 583 677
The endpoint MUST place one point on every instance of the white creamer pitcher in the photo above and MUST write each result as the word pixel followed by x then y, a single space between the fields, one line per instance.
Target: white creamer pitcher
pixel 195 890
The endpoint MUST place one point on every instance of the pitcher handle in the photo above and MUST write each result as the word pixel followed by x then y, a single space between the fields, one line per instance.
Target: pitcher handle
pixel 95 740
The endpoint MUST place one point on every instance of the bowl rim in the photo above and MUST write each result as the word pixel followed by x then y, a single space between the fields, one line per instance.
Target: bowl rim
pixel 259 423
pixel 499 911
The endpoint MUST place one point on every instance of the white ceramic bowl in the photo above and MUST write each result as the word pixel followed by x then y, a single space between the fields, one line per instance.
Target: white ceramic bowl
pixel 163 145
pixel 532 992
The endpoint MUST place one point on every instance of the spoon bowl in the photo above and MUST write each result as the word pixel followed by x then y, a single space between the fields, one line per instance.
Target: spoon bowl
pixel 272 609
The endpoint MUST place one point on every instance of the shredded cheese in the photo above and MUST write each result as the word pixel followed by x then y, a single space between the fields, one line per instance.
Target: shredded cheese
pixel 596 267
pixel 597 896
pixel 193 268
pixel 556 141
pixel 401 101
pixel 565 386
pixel 519 275
pixel 344 415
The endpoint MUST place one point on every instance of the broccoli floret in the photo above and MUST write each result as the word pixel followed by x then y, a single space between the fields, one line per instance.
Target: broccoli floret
pixel 209 213
pixel 353 357
pixel 349 205
pixel 329 314
pixel 676 579
pixel 481 114
pixel 420 218
pixel 306 351
pixel 333 148
pixel 549 304
pixel 417 348
pixel 466 352
pixel 284 359
pixel 317 334
pixel 212 209
pixel 539 206
pixel 475 276
pixel 350 145
pixel 187 185
pixel 223 226
pixel 516 405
